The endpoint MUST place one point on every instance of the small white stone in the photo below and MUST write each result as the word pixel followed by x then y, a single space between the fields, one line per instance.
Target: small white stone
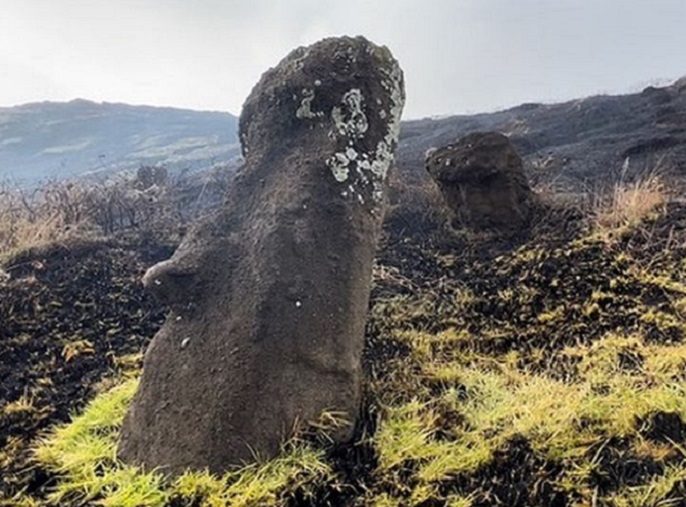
pixel 298 304
pixel 185 342
pixel 158 282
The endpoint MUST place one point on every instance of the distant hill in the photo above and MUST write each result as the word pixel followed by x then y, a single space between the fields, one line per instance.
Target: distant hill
pixel 576 143
pixel 59 140
pixel 573 144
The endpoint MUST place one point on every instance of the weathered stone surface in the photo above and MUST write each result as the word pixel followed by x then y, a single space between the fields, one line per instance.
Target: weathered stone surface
pixel 482 180
pixel 657 95
pixel 269 296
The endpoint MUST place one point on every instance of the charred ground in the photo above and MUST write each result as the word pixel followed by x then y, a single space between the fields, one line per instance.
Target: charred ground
pixel 72 316
pixel 544 369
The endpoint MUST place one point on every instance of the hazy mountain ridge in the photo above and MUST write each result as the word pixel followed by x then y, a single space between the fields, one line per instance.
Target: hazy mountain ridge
pixel 59 140
pixel 577 142
pixel 573 143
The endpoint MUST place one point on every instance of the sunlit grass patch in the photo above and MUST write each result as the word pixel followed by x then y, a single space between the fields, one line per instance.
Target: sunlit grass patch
pixel 627 205
pixel 23 404
pixel 620 381
pixel 83 455
pixel 667 490
pixel 267 483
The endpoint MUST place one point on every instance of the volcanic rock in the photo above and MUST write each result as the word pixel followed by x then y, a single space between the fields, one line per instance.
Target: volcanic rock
pixel 269 296
pixel 481 178
pixel 656 95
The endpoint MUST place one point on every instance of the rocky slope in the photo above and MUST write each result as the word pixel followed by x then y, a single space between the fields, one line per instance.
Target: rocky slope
pixel 576 143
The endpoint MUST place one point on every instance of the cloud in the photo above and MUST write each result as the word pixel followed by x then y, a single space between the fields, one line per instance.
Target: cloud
pixel 458 55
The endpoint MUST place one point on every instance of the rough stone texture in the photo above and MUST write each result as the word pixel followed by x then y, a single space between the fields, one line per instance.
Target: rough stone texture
pixel 269 296
pixel 482 180
pixel 657 96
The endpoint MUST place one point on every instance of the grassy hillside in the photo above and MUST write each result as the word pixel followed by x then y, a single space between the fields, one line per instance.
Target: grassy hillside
pixel 52 140
pixel 545 369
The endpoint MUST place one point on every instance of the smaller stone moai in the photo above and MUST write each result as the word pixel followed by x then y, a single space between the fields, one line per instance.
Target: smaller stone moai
pixel 269 295
pixel 482 180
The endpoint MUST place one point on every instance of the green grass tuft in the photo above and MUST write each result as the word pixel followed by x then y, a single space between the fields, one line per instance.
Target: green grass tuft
pixel 82 454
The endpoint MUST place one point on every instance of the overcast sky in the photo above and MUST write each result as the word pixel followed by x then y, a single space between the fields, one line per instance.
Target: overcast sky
pixel 458 55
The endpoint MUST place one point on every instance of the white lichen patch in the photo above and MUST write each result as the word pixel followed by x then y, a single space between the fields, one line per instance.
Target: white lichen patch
pixel 305 110
pixel 296 59
pixel 383 157
pixel 339 165
pixel 430 152
pixel 350 121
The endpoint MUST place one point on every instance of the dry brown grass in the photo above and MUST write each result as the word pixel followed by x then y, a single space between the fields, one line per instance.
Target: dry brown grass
pixel 60 212
pixel 628 204
pixel 415 205
pixel 54 213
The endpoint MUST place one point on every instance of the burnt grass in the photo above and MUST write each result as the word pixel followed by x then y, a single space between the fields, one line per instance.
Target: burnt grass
pixel 74 316
pixel 71 316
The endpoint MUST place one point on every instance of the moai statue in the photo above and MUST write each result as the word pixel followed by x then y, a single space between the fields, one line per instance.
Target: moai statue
pixel 269 296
